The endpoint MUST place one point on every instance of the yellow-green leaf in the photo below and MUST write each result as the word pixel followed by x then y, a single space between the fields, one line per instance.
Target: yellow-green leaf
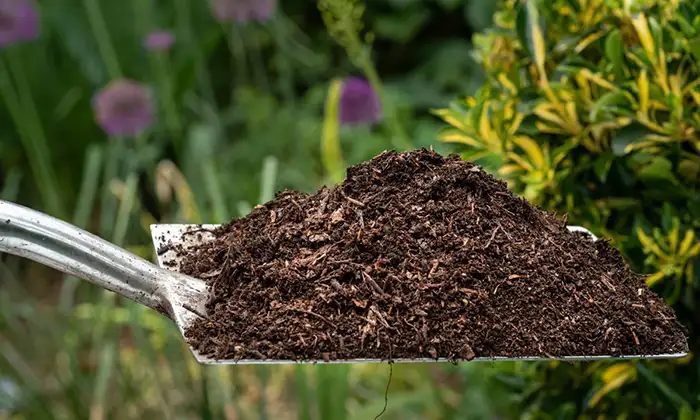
pixel 694 251
pixel 503 79
pixel 643 86
pixel 330 139
pixel 537 36
pixel 655 278
pixel 614 52
pixel 520 161
pixel 543 112
pixel 686 242
pixel 532 149
pixel 614 377
pixel 508 170
pixel 585 42
pixel 673 236
pixel 645 38
pixel 597 79
pixel 452 135
pixel 488 135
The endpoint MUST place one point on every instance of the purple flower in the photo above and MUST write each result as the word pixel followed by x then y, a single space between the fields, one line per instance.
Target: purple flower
pixel 19 21
pixel 159 41
pixel 123 108
pixel 359 103
pixel 243 11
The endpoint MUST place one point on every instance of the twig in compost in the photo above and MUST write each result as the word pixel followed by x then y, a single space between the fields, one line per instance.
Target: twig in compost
pixel 315 315
pixel 373 284
pixel 353 201
pixel 493 235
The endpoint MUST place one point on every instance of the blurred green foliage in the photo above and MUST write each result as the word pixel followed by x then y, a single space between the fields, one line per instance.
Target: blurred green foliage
pixel 586 107
pixel 591 109
pixel 243 111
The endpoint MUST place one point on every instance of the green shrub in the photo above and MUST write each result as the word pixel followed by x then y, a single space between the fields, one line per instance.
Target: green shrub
pixel 591 108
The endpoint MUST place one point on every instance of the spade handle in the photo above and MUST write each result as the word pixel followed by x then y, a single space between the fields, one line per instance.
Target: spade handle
pixel 42 238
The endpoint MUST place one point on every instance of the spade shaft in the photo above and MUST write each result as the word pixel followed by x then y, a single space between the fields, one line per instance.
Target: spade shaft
pixel 30 234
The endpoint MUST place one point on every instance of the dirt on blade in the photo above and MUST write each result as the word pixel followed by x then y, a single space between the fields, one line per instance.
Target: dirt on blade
pixel 418 255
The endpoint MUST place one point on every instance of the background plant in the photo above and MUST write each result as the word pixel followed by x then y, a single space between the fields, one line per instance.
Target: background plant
pixel 586 107
pixel 243 107
pixel 591 109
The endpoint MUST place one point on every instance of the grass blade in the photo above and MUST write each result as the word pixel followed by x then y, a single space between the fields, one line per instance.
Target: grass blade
pixel 211 181
pixel 332 390
pixel 268 179
pixel 26 118
pixel 83 210
pixel 104 374
pixel 303 392
pixel 331 154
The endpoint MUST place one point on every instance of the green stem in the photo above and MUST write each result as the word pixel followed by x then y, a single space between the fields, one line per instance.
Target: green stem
pixel 172 117
pixel 238 59
pixel 211 181
pixel 182 9
pixel 285 64
pixel 160 65
pixel 399 139
pixel 28 122
pixel 104 43
pixel 127 204
pixel 331 154
pixel 83 210
pixel 108 212
pixel 259 71
pixel 263 376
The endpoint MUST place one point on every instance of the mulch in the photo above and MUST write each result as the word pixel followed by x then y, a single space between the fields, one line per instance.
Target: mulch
pixel 416 255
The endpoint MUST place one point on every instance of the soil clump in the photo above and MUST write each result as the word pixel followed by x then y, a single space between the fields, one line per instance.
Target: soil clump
pixel 416 255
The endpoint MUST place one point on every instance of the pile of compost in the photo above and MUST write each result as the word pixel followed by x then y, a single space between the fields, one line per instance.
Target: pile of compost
pixel 416 255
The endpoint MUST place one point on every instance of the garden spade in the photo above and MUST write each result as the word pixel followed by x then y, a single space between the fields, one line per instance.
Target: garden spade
pixel 28 233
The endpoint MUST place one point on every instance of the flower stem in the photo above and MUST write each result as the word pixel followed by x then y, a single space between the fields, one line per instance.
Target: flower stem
pixel 285 64
pixel 184 24
pixel 399 139
pixel 104 43
pixel 172 117
pixel 238 61
pixel 259 71
pixel 28 123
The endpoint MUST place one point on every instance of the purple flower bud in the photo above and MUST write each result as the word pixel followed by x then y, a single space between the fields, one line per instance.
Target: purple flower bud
pixel 359 103
pixel 123 108
pixel 159 41
pixel 243 11
pixel 19 21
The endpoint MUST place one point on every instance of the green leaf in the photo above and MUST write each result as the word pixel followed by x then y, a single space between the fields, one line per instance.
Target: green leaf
pixel 490 162
pixel 658 169
pixel 632 133
pixel 12 185
pixel 686 413
pixel 479 13
pixel 303 392
pixel 451 5
pixel 602 165
pixel 614 51
pixel 612 101
pixel 652 377
pixel 619 203
pixel 401 26
pixel 531 30
pixel 332 391
pixel 694 48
